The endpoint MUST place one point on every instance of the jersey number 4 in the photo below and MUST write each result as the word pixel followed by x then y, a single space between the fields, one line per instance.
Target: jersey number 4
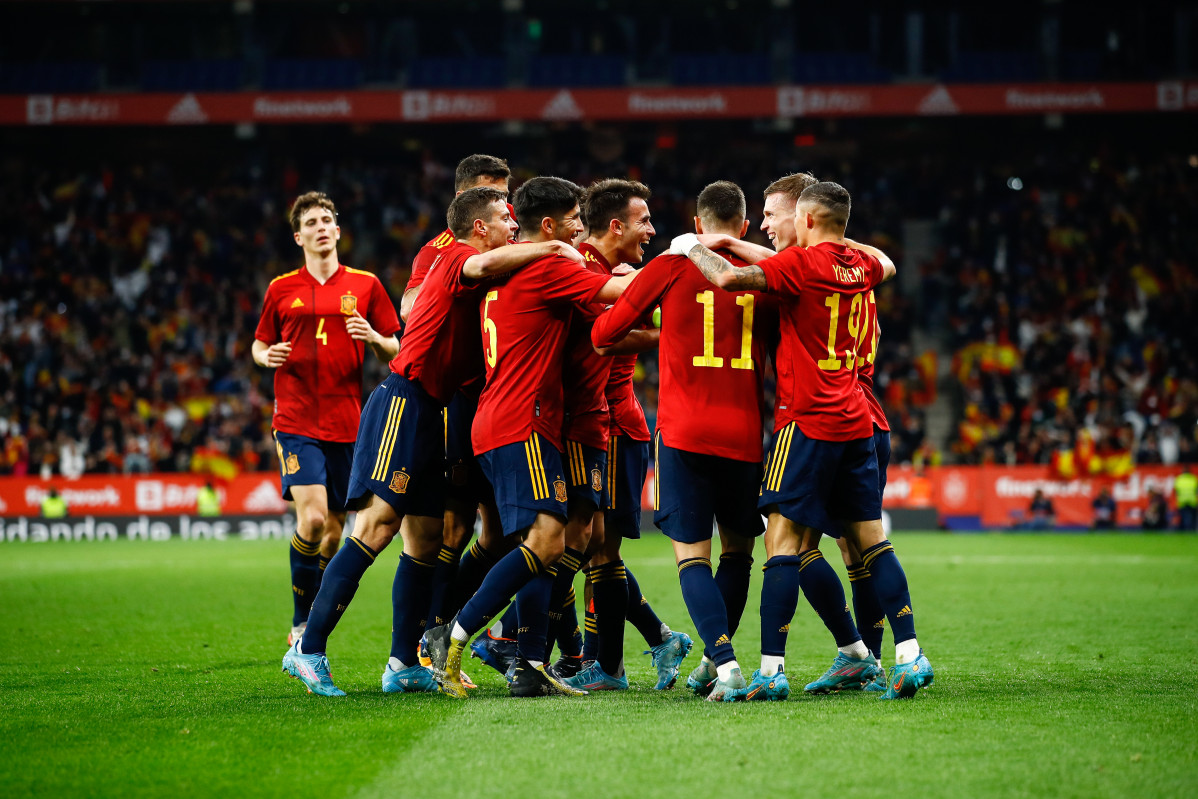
pixel 862 309
pixel 709 358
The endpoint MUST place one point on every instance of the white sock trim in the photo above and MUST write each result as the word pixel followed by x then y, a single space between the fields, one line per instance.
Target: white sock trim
pixel 772 664
pixel 459 633
pixel 856 650
pixel 724 670
pixel 906 651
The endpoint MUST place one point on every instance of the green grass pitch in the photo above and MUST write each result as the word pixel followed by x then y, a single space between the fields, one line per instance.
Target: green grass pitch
pixel 1064 667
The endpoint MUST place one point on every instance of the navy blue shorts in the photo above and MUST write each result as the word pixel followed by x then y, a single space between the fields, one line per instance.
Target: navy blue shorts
pixel 812 482
pixel 584 474
pixel 468 485
pixel 528 479
pixel 691 490
pixel 882 448
pixel 627 465
pixel 307 461
pixel 400 455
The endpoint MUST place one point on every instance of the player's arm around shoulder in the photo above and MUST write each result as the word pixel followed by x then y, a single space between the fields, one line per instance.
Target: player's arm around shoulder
pixel 612 333
pixel 747 251
pixel 509 257
pixel 889 270
pixel 716 268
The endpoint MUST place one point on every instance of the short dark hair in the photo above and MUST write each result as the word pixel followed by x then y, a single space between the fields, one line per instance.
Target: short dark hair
pixel 469 206
pixel 473 167
pixel 545 196
pixel 791 185
pixel 608 199
pixel 306 201
pixel 831 196
pixel 721 204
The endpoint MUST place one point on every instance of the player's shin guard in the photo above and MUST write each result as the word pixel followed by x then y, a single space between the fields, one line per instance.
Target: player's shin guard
pixel 563 585
pixel 706 605
pixel 532 608
pixel 825 593
pixel 305 576
pixel 640 613
pixel 779 598
pixel 440 608
pixel 871 619
pixel 890 584
pixel 611 603
pixel 732 578
pixel 507 577
pixel 409 606
pixel 473 568
pixel 337 590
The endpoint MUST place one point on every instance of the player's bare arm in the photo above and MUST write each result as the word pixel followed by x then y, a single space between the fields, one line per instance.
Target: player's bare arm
pixel 888 268
pixel 407 302
pixel 716 268
pixel 613 288
pixel 270 356
pixel 635 341
pixel 384 347
pixel 513 256
pixel 747 251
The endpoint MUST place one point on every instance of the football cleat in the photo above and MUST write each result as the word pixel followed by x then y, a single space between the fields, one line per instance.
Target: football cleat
pixel 312 670
pixel 878 683
pixel 703 678
pixel 414 679
pixel 731 690
pixel 845 674
pixel 668 656
pixel 498 653
pixel 297 632
pixel 761 688
pixel 529 680
pixel 596 679
pixel 566 667
pixel 906 679
pixel 427 662
pixel 445 655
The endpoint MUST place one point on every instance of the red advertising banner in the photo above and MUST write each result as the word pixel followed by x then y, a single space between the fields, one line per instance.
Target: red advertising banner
pixel 719 102
pixel 153 494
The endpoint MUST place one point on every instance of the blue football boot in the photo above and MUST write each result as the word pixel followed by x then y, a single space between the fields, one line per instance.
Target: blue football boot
pixel 498 653
pixel 668 656
pixel 761 688
pixel 703 678
pixel 594 678
pixel 845 674
pixel 906 679
pixel 414 679
pixel 731 690
pixel 311 670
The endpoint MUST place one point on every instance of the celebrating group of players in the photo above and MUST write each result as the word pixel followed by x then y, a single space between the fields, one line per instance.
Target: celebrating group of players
pixel 510 396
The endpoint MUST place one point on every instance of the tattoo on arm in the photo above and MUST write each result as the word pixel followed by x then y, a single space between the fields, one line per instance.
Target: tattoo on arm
pixel 714 267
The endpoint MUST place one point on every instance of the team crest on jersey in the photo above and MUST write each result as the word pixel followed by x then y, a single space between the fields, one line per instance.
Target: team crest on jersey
pixel 457 474
pixel 559 490
pixel 596 480
pixel 399 482
pixel 291 465
pixel 349 304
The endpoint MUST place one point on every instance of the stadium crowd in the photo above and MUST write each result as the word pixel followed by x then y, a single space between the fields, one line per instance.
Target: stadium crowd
pixel 1063 287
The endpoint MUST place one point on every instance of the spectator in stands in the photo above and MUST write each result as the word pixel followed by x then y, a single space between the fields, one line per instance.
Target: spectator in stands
pixel 1104 510
pixel 1041 514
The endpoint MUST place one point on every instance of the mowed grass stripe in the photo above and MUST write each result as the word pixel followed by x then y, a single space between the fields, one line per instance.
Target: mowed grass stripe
pixel 141 668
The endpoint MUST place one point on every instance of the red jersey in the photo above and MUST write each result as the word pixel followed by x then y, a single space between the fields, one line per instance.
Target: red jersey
pixel 425 257
pixel 440 348
pixel 525 315
pixel 822 323
pixel 865 365
pixel 318 389
pixel 625 413
pixel 712 355
pixel 585 374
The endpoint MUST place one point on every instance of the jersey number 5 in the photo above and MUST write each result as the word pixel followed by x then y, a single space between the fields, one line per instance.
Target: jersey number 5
pixel 709 358
pixel 489 329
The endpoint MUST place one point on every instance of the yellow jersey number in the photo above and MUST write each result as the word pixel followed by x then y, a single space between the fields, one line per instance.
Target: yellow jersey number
pixel 709 358
pixel 858 324
pixel 321 334
pixel 489 328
